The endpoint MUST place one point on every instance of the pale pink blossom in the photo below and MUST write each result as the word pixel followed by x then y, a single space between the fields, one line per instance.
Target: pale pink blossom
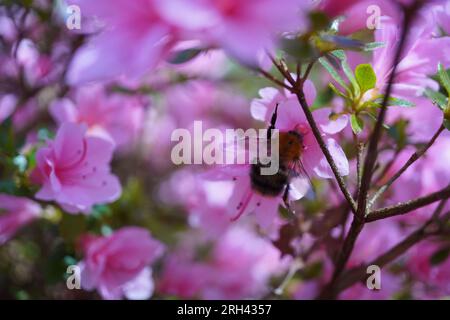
pixel 134 38
pixel 114 117
pixel 118 265
pixel 435 278
pixel 216 106
pixel 443 16
pixel 205 202
pixel 15 212
pixel 73 170
pixel 221 22
pixel 420 57
pixel 7 106
pixel 428 174
pixel 219 274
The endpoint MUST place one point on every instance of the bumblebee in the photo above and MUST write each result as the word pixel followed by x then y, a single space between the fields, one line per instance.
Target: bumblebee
pixel 291 146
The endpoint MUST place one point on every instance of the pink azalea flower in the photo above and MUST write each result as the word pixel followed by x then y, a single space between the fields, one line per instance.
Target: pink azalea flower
pixel 7 106
pixel 206 202
pixel 290 117
pixel 443 16
pixel 429 174
pixel 220 22
pixel 217 106
pixel 420 58
pixel 220 275
pixel 115 117
pixel 374 240
pixel 435 277
pixel 134 39
pixel 182 277
pixel 335 8
pixel 210 64
pixel 15 212
pixel 244 277
pixel 118 265
pixel 73 170
pixel 361 13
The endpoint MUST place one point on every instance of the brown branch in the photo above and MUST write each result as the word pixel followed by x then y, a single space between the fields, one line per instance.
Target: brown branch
pixel 298 91
pixel 307 71
pixel 330 291
pixel 372 152
pixel 273 79
pixel 318 135
pixel 357 274
pixel 359 160
pixel 408 206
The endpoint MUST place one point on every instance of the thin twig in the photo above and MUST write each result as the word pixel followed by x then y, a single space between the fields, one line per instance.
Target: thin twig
pixel 416 156
pixel 359 167
pixel 273 79
pixel 330 291
pixel 307 71
pixel 357 274
pixel 408 206
pixel 318 135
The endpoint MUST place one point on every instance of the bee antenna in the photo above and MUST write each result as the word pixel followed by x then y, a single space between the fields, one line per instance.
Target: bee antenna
pixel 273 121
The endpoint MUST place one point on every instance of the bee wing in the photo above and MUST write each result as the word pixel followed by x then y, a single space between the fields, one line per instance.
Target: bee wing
pixel 299 187
pixel 243 147
pixel 301 182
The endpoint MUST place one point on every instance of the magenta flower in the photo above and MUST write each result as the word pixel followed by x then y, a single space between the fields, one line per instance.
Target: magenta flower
pixel 429 174
pixel 15 212
pixel 205 201
pixel 221 275
pixel 118 265
pixel 435 278
pixel 134 39
pixel 420 58
pixel 73 170
pixel 221 22
pixel 7 106
pixel 290 117
pixel 115 117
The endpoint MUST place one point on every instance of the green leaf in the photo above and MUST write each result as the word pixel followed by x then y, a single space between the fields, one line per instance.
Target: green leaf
pixel 366 77
pixel 298 48
pixel 440 256
pixel 373 46
pixel 336 90
pixel 343 42
pixel 398 133
pixel 392 101
pixel 447 124
pixel 445 79
pixel 333 73
pixel 319 20
pixel 340 54
pixel 374 118
pixel 183 56
pixel 438 98
pixel 356 123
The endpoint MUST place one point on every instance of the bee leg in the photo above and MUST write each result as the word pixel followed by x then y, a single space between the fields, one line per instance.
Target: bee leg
pixel 286 199
pixel 273 121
